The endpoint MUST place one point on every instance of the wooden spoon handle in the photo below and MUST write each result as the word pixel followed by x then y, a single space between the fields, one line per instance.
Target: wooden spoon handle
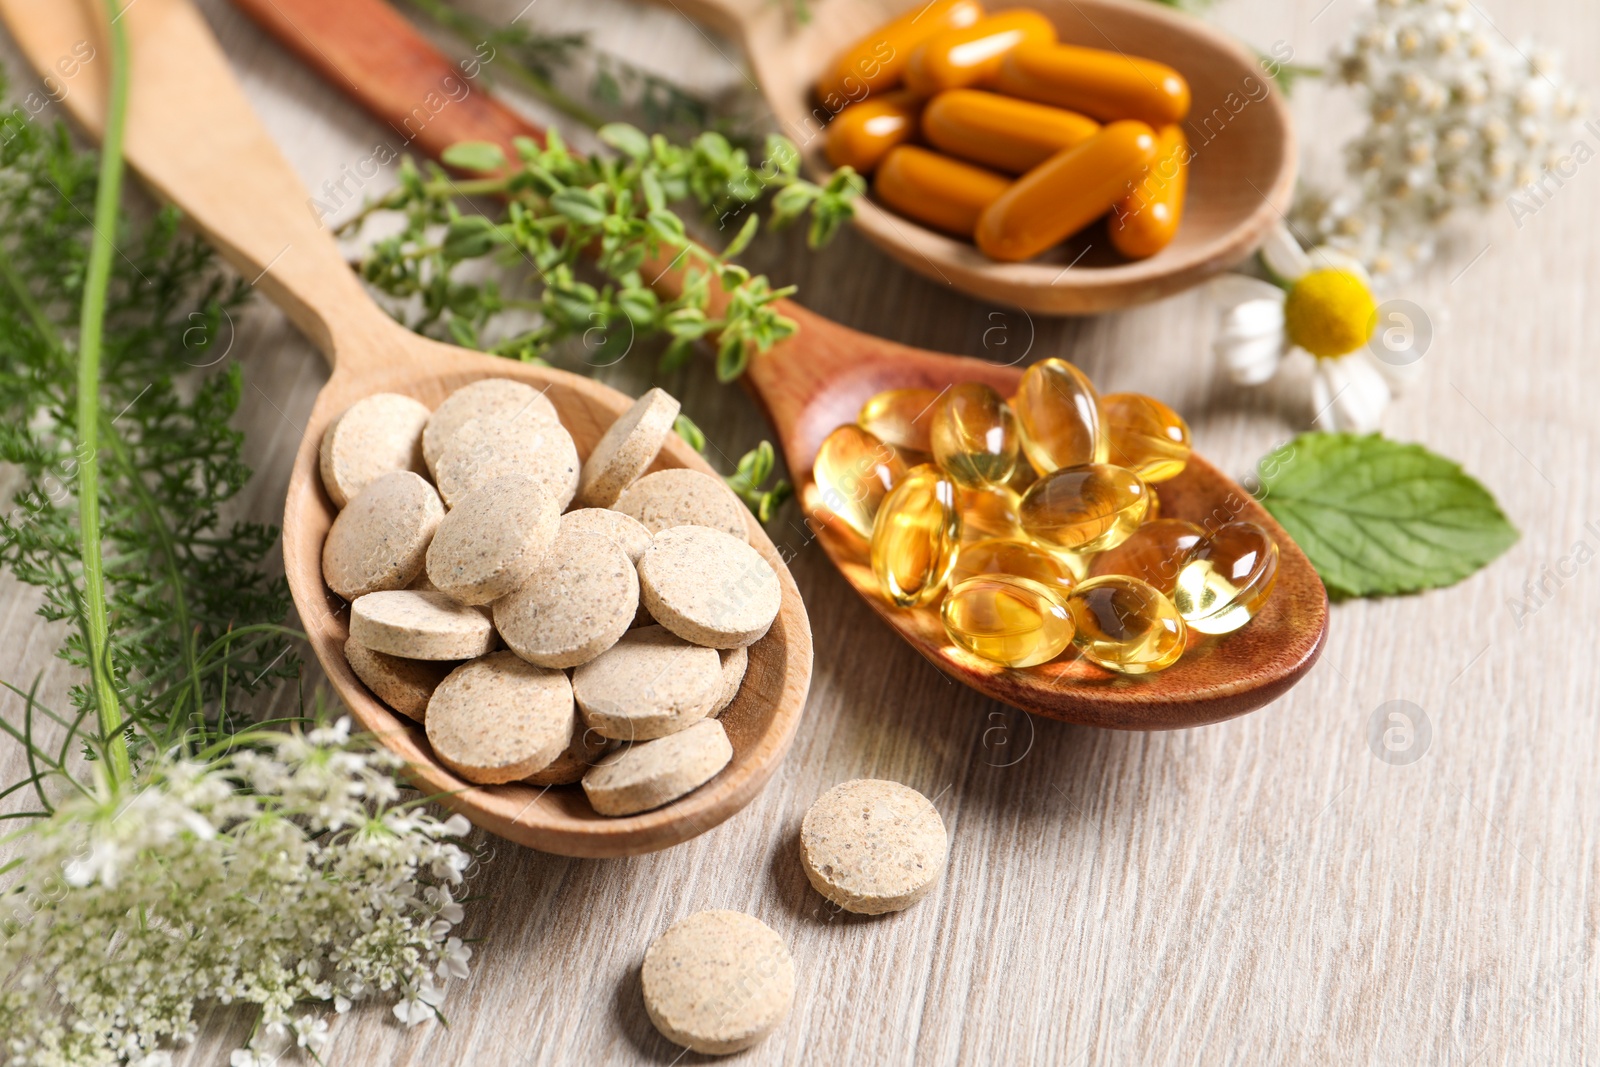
pixel 366 50
pixel 195 139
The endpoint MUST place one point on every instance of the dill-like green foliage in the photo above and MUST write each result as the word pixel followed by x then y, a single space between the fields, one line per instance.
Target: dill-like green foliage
pixel 194 618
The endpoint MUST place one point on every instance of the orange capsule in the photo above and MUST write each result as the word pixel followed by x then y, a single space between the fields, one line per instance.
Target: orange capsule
pixel 944 193
pixel 972 54
pixel 862 134
pixel 1065 193
pixel 877 60
pixel 1146 220
pixel 1104 85
pixel 997 131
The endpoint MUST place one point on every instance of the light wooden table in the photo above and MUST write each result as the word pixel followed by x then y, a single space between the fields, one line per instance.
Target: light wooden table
pixel 1263 891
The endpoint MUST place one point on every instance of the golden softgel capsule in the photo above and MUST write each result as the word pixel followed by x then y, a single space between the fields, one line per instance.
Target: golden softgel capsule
pixel 1058 412
pixel 1007 620
pixel 1226 578
pixel 991 511
pixel 1017 558
pixel 900 417
pixel 1153 553
pixel 1144 435
pixel 854 472
pixel 1085 509
pixel 1126 625
pixel 915 537
pixel 974 436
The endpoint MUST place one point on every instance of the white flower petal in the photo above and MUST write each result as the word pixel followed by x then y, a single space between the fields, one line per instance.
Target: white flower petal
pixel 1282 254
pixel 1251 361
pixel 1252 319
pixel 1228 290
pixel 1348 394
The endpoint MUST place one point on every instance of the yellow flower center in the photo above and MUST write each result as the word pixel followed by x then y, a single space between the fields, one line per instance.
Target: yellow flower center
pixel 1329 313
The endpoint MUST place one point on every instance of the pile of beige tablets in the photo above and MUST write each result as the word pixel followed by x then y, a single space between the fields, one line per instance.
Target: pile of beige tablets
pixel 625 600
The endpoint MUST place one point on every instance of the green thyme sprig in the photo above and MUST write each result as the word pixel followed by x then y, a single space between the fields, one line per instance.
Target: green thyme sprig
pixel 563 207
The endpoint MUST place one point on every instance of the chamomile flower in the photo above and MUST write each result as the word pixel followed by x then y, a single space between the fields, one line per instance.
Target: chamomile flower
pixel 1323 309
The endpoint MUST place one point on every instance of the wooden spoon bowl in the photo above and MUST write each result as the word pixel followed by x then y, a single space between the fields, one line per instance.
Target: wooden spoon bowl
pixel 1239 127
pixel 194 139
pixel 817 380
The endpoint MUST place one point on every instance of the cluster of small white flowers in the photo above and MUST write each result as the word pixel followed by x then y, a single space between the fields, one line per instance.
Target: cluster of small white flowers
pixel 283 874
pixel 1457 119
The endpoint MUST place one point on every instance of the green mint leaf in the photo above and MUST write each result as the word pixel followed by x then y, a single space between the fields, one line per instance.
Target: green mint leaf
pixel 474 155
pixel 1379 517
pixel 579 205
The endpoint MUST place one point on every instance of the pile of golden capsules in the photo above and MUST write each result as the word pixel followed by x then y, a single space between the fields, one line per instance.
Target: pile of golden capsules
pixel 1032 524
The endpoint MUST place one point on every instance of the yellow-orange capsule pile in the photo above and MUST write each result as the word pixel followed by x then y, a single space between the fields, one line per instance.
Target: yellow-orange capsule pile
pixel 1031 523
pixel 986 127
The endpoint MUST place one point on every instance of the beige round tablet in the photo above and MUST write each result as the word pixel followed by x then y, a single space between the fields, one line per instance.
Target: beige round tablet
pixel 626 449
pixel 491 398
pixel 734 663
pixel 403 684
pixel 498 719
pixel 625 530
pixel 374 436
pixel 682 497
pixel 709 588
pixel 380 539
pixel 717 981
pixel 493 539
pixel 872 846
pixel 486 449
pixel 652 773
pixel 417 625
pixel 574 606
pixel 649 684
pixel 581 753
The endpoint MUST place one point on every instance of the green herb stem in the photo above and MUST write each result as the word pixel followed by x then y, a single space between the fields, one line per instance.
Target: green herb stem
pixel 91 331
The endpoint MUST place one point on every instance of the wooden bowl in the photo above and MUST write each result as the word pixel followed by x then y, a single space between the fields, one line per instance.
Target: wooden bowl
pixel 761 722
pixel 1239 128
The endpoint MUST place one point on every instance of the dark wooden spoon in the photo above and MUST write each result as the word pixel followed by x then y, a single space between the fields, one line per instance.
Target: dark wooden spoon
pixel 817 380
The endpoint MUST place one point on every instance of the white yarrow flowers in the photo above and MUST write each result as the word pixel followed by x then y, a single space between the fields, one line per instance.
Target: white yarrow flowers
pixel 1458 119
pixel 283 874
pixel 1324 310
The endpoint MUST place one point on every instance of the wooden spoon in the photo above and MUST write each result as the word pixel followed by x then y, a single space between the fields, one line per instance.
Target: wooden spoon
pixel 1239 126
pixel 194 138
pixel 817 380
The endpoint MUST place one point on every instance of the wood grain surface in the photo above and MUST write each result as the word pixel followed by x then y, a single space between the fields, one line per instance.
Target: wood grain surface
pixel 1266 890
